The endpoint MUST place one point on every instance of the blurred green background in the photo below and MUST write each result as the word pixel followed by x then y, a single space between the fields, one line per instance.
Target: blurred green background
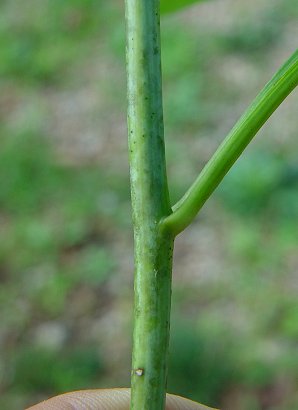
pixel 66 264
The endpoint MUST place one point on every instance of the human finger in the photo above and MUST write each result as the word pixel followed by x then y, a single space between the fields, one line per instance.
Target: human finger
pixel 108 399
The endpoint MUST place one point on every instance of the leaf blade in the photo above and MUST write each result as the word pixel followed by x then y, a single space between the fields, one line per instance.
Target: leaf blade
pixel 168 6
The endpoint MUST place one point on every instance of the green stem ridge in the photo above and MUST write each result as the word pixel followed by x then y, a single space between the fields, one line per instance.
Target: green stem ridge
pixel 273 94
pixel 150 203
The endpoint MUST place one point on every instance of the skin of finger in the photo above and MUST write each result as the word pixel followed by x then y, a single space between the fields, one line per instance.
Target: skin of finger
pixel 108 399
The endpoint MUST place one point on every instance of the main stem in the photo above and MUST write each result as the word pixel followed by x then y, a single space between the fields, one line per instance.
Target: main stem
pixel 150 202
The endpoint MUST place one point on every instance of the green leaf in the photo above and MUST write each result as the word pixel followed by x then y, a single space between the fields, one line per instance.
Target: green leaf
pixel 167 6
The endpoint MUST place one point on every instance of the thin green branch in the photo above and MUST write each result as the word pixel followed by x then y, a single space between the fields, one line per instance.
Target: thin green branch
pixel 278 88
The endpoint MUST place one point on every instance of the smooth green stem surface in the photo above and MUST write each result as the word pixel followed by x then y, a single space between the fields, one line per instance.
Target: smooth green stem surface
pixel 280 86
pixel 150 202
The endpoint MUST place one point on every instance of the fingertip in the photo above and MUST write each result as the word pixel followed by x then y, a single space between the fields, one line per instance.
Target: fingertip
pixel 108 399
pixel 99 399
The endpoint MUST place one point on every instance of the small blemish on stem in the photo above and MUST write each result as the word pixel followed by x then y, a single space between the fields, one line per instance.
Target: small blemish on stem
pixel 138 372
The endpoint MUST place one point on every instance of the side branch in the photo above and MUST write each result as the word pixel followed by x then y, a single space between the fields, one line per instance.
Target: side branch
pixel 273 94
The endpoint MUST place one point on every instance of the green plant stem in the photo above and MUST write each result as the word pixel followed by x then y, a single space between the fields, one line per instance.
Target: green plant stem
pixel 150 202
pixel 280 86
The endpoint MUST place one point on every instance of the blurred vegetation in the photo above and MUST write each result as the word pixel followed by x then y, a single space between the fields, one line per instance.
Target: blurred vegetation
pixel 66 243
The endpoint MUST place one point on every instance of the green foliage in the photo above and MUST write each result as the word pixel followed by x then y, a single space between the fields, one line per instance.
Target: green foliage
pixel 27 175
pixel 93 265
pixel 49 371
pixel 54 246
pixel 251 183
pixel 251 37
pixel 167 6
pixel 289 322
pixel 194 357
pixel 41 44
pixel 265 31
pixel 262 182
pixel 182 92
